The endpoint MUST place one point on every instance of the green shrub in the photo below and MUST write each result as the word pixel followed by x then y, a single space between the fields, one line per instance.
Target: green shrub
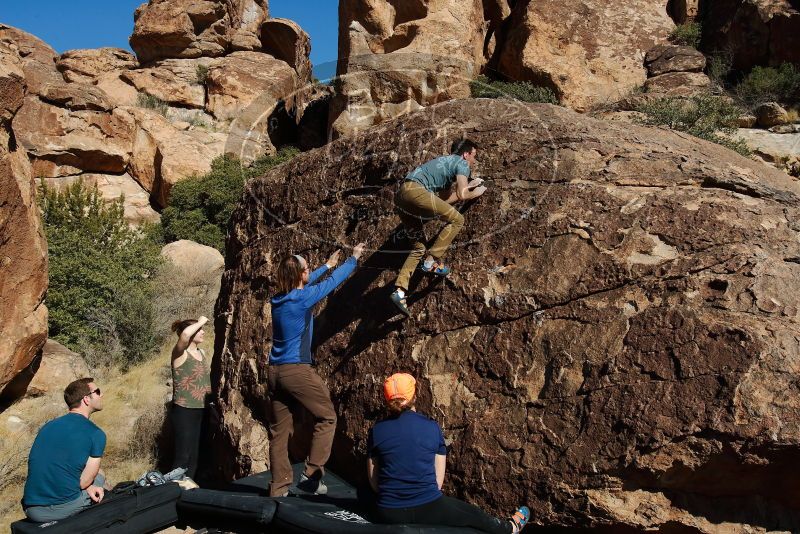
pixel 719 67
pixel 686 34
pixel 705 116
pixel 201 71
pixel 100 269
pixel 483 87
pixel 200 208
pixel 770 84
pixel 148 101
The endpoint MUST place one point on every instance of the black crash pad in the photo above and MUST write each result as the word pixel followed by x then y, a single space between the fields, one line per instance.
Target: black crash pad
pixel 136 511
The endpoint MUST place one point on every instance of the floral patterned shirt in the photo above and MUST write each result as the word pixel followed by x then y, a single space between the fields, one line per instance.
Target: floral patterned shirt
pixel 191 382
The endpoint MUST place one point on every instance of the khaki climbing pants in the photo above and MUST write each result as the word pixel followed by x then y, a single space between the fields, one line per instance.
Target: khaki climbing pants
pixel 416 205
pixel 289 385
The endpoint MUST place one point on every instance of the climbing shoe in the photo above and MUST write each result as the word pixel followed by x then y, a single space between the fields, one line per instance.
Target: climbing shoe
pixel 520 518
pixel 400 302
pixel 312 484
pixel 439 269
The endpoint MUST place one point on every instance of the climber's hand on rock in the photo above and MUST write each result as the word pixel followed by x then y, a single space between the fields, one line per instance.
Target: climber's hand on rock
pixel 358 250
pixel 333 260
pixel 478 191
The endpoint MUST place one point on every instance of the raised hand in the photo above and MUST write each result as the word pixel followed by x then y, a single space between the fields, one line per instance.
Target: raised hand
pixel 358 250
pixel 333 260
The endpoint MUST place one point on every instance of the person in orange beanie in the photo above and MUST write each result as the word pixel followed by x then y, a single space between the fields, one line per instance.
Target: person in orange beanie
pixel 406 467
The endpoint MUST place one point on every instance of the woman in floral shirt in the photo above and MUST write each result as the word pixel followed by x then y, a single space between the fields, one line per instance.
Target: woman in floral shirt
pixel 191 385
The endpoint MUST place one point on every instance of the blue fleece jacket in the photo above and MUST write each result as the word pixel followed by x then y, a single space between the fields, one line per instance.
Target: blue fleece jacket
pixel 292 321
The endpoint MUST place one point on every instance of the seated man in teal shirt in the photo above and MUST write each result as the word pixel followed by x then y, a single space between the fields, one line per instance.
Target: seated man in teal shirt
pixel 429 192
pixel 64 463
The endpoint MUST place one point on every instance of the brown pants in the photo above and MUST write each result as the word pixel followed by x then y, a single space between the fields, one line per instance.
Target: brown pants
pixel 415 205
pixel 289 385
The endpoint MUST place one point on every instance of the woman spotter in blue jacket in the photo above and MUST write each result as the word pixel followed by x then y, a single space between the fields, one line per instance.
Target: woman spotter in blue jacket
pixel 290 376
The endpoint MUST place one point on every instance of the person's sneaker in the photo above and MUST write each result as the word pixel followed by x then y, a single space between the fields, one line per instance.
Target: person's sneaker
pixel 520 518
pixel 312 485
pixel 439 269
pixel 400 302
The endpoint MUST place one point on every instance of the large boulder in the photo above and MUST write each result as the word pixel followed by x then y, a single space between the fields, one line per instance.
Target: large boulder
pixel 23 261
pixel 662 59
pixel 58 367
pixel 87 65
pixel 189 29
pixel 399 56
pixel 589 52
pixel 62 142
pixel 239 79
pixel 618 343
pixel 285 40
pixel 754 32
pixel 35 57
pixel 199 268
pixel 162 154
pixel 178 82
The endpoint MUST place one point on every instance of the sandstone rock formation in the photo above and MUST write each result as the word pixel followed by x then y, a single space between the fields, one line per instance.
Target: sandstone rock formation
pixel 399 56
pixel 618 344
pixel 662 59
pixel 190 29
pixel 199 268
pixel 58 367
pixel 23 250
pixel 771 114
pixel 87 65
pixel 285 40
pixel 589 52
pixel 755 32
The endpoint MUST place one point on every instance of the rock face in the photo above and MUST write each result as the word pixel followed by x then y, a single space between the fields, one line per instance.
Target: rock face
pixel 23 250
pixel 618 343
pixel 190 29
pixel 59 366
pixel 756 32
pixel 588 52
pixel 399 56
pixel 87 65
pixel 662 59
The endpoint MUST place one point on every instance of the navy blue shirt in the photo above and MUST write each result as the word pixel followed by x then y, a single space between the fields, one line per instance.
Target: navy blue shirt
pixel 440 173
pixel 58 457
pixel 292 321
pixel 404 449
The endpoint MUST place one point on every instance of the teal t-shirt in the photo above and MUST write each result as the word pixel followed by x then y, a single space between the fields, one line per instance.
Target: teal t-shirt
pixel 440 173
pixel 58 457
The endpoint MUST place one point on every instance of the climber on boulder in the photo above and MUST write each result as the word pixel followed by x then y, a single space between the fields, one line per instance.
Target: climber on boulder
pixel 291 378
pixel 429 192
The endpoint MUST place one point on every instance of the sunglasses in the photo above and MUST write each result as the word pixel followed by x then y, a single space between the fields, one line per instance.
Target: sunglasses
pixel 94 391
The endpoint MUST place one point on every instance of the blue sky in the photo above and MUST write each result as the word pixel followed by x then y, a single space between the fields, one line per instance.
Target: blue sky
pixel 95 23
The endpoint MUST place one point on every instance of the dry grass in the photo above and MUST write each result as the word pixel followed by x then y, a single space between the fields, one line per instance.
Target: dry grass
pixel 134 410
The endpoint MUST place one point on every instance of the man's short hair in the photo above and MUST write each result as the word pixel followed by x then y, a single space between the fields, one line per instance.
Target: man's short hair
pixel 76 391
pixel 460 146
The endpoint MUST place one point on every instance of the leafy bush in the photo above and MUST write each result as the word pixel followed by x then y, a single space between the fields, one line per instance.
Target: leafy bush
pixel 483 87
pixel 201 71
pixel 148 101
pixel 770 84
pixel 719 67
pixel 705 116
pixel 100 269
pixel 200 208
pixel 686 34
